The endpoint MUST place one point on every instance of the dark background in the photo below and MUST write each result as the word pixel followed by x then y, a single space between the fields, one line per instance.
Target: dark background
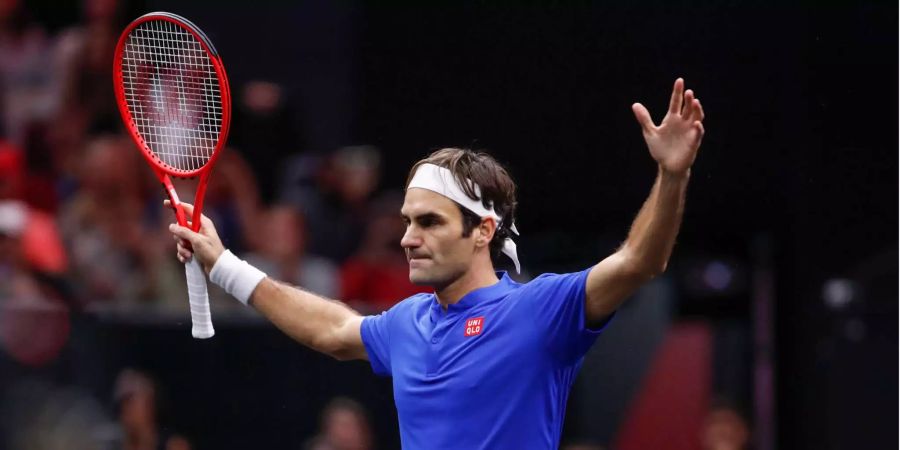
pixel 800 151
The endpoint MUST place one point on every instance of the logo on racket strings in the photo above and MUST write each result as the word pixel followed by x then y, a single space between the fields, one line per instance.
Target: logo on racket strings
pixel 474 326
pixel 171 95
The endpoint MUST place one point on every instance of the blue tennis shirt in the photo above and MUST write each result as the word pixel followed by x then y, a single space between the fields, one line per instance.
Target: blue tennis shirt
pixel 493 371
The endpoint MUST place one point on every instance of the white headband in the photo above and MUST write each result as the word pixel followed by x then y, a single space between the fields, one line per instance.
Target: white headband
pixel 441 180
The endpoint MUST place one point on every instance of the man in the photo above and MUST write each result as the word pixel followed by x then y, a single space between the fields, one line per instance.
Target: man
pixel 484 362
pixel 344 425
pixel 137 399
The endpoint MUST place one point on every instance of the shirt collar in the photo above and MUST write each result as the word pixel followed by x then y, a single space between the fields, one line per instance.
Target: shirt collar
pixel 474 297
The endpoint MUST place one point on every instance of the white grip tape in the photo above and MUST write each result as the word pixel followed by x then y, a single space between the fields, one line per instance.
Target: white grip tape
pixel 236 276
pixel 201 318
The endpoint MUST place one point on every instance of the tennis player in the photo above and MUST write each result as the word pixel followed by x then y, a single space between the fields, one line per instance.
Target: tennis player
pixel 484 362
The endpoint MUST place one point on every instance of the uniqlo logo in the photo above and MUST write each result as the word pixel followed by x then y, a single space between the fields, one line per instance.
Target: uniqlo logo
pixel 474 326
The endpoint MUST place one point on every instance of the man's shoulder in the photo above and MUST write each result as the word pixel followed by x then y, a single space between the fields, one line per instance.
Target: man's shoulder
pixel 412 303
pixel 552 281
pixel 417 299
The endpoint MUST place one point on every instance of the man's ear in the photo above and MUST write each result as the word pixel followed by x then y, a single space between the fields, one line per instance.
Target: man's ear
pixel 486 230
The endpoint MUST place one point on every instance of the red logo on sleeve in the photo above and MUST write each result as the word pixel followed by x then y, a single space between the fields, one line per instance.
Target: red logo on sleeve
pixel 474 326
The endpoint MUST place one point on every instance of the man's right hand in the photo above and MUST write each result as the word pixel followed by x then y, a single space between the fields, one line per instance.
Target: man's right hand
pixel 205 245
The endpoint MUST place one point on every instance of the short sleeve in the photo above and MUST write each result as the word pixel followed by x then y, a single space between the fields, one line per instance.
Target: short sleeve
pixel 558 301
pixel 376 337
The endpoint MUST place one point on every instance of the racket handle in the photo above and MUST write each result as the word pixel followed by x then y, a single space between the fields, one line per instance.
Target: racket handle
pixel 201 318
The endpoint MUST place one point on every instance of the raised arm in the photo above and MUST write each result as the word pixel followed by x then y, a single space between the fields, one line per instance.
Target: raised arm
pixel 324 325
pixel 645 253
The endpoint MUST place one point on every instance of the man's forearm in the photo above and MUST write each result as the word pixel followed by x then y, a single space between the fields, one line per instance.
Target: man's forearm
pixel 653 232
pixel 314 321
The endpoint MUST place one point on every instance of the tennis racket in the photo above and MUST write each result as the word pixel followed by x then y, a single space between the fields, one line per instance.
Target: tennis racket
pixel 173 96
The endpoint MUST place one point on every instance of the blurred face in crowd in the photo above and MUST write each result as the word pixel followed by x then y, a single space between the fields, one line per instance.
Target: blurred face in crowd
pixel 383 231
pixel 356 182
pixel 100 9
pixel 138 409
pixel 346 430
pixel 109 166
pixel 354 173
pixel 725 430
pixel 287 224
pixel 262 97
pixel 437 252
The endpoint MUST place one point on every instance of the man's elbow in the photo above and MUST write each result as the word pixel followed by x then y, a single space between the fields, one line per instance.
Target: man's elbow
pixel 329 344
pixel 641 268
pixel 656 270
pixel 345 354
pixel 644 271
pixel 340 344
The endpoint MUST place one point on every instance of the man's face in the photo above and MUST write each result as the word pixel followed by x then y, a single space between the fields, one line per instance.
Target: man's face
pixel 137 409
pixel 437 253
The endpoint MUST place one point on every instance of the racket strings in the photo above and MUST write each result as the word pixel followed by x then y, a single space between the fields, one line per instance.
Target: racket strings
pixel 173 94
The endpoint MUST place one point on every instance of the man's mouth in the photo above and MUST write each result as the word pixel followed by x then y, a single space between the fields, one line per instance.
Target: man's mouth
pixel 417 260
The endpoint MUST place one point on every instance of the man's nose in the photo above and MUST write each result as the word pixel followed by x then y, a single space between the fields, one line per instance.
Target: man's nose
pixel 411 238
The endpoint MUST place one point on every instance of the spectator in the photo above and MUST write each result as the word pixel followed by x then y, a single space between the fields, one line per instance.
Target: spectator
pixel 66 140
pixel 283 254
pixel 36 414
pixel 264 131
pixel 34 322
pixel 137 398
pixel 377 276
pixel 725 429
pixel 232 197
pixel 344 426
pixel 85 53
pixel 41 243
pixel 14 273
pixel 26 71
pixel 116 240
pixel 336 207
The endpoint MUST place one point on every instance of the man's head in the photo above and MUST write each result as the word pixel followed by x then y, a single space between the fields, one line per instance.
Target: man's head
pixel 345 425
pixel 290 226
pixel 136 397
pixel 725 427
pixel 443 238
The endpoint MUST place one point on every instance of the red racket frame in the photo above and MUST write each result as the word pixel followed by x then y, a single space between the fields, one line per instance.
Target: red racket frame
pixel 162 170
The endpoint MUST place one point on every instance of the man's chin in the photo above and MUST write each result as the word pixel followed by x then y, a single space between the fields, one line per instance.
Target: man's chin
pixel 421 277
pixel 418 278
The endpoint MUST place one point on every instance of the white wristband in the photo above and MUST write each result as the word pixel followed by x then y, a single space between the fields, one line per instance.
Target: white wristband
pixel 236 276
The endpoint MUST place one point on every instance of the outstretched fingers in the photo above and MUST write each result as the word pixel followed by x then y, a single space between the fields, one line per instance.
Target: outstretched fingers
pixel 677 96
pixel 687 108
pixel 693 110
pixel 643 117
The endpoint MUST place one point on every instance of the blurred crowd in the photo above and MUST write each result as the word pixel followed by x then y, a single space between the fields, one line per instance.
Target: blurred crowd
pixel 82 225
pixel 83 230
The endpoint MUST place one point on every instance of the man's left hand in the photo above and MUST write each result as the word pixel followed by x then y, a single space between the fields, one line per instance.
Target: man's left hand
pixel 674 143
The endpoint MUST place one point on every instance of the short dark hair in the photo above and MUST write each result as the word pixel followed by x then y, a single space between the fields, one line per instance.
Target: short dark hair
pixel 498 191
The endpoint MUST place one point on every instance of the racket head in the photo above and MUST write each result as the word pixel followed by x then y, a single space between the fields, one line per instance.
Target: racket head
pixel 172 93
